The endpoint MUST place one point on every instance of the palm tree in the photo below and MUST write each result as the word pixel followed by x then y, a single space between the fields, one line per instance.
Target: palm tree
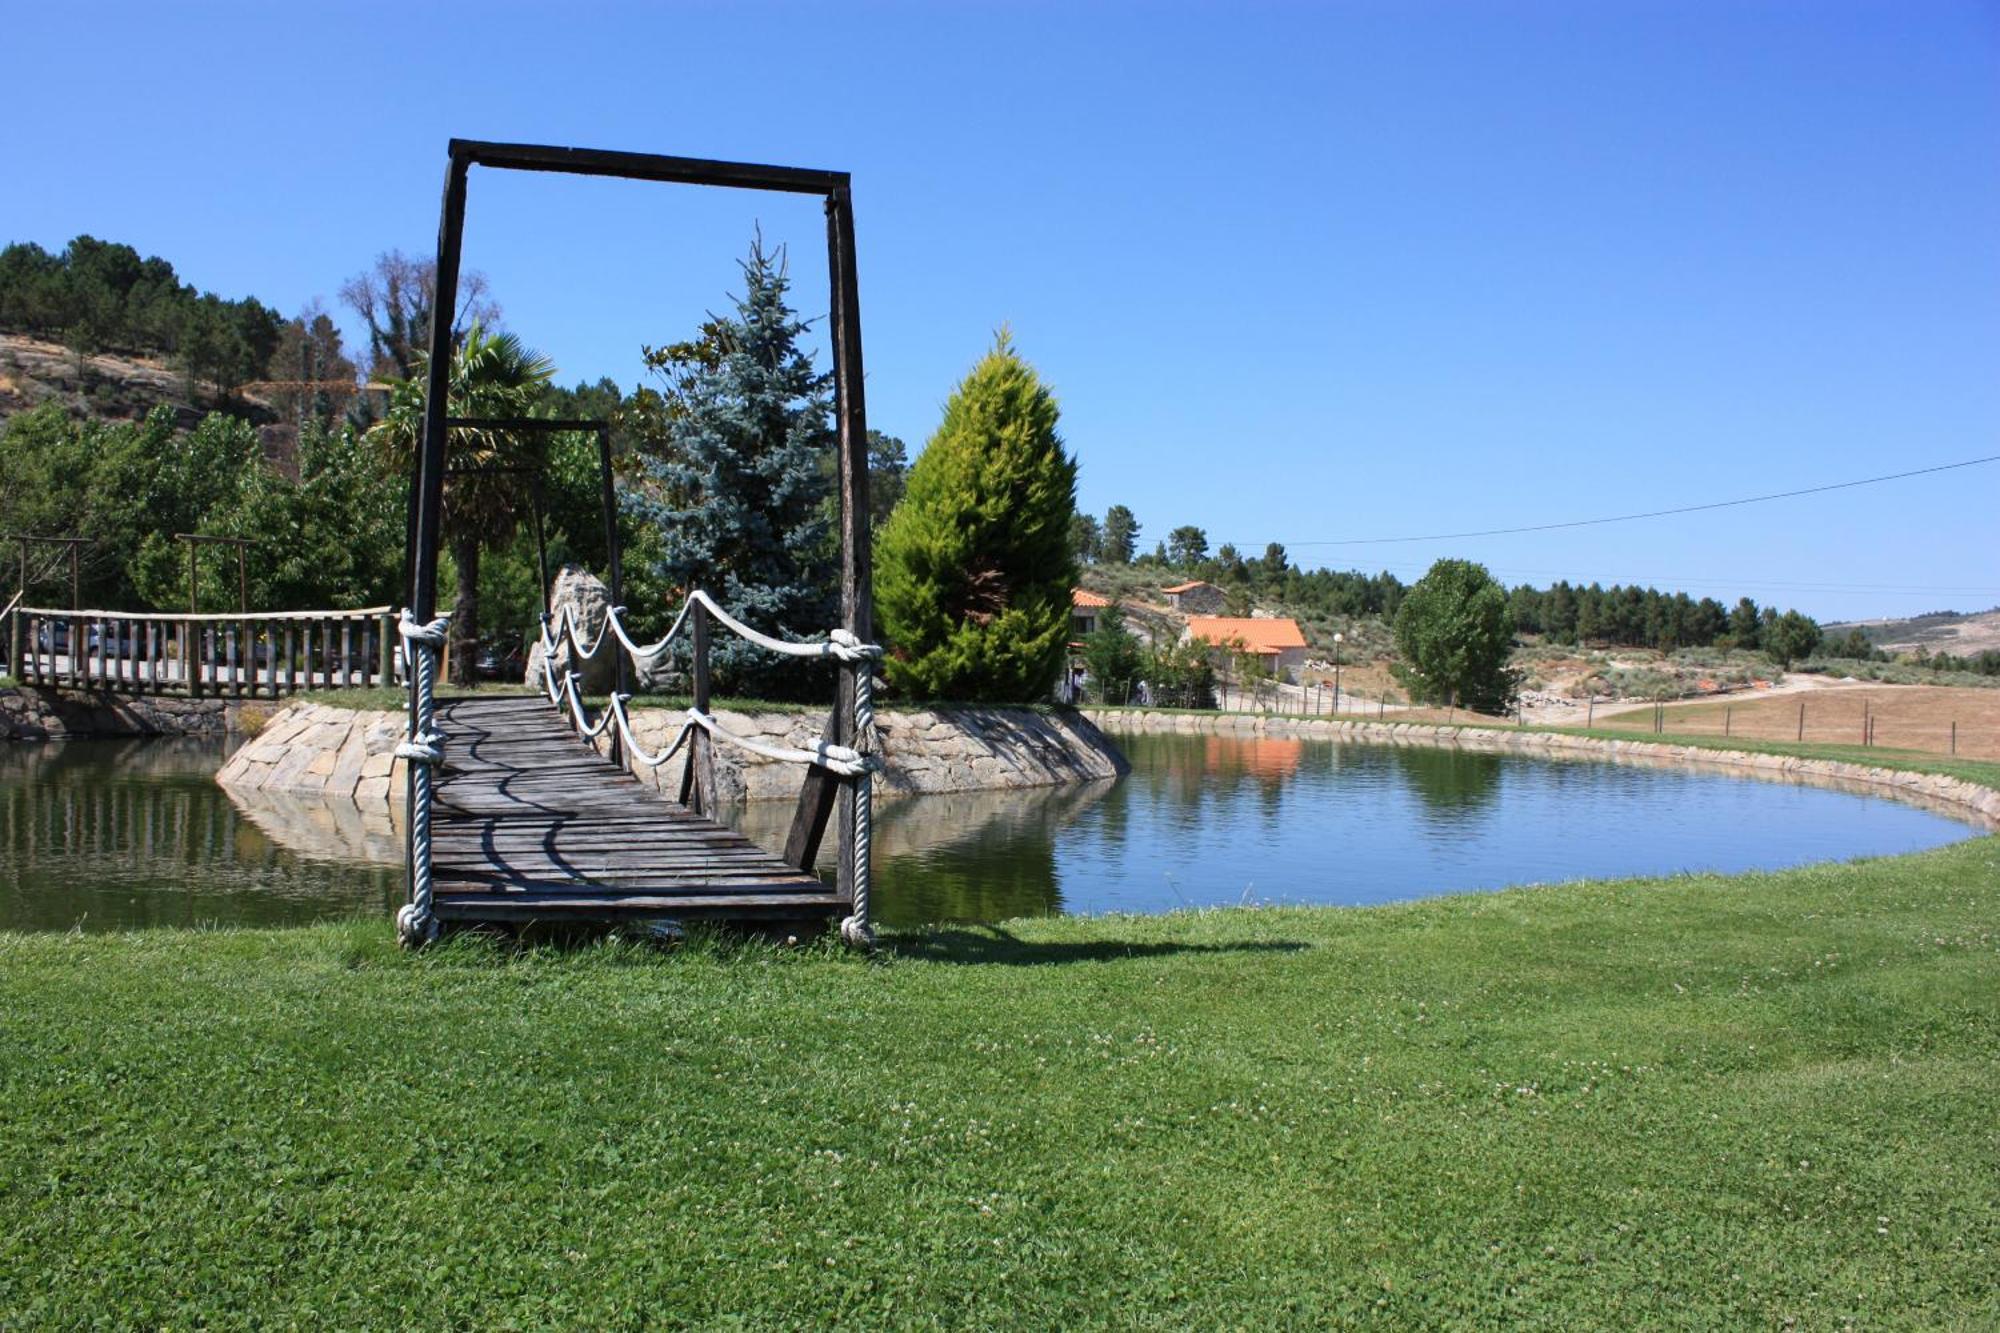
pixel 492 375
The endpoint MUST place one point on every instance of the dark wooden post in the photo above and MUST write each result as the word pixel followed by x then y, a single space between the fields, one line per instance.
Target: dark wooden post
pixel 698 775
pixel 427 496
pixel 541 540
pixel 621 681
pixel 822 791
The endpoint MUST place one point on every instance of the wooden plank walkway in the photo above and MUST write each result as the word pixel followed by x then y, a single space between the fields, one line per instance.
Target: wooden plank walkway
pixel 530 823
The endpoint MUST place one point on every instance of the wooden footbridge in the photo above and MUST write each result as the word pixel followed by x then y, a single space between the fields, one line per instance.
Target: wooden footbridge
pixel 525 810
pixel 530 823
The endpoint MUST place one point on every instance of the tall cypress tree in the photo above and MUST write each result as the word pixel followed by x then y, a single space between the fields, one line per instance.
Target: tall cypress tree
pixel 736 487
pixel 975 567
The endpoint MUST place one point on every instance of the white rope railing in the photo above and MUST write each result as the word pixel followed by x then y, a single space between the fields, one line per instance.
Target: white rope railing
pixel 857 765
pixel 839 644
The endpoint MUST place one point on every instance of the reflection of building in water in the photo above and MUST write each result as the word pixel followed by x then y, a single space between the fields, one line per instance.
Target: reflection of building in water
pixel 1258 756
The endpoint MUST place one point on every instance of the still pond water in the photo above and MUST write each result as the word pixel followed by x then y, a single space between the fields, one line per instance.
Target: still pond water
pixel 109 834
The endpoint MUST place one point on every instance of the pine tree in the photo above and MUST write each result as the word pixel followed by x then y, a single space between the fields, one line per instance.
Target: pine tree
pixel 974 573
pixel 736 489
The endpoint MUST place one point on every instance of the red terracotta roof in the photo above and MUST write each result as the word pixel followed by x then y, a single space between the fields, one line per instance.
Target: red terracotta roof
pixel 1087 600
pixel 1189 586
pixel 1258 634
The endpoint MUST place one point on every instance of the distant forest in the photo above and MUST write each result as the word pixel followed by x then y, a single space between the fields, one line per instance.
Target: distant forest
pixel 98 296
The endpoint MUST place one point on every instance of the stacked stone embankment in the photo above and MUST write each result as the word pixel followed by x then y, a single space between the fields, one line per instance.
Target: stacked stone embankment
pixel 40 713
pixel 926 750
pixel 317 749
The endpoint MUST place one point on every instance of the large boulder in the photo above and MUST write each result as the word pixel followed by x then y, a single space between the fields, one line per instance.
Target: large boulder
pixel 579 589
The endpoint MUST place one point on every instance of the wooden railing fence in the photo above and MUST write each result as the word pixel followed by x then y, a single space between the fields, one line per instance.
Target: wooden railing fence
pixel 247 655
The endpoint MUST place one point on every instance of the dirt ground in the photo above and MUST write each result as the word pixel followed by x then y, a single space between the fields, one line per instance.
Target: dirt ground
pixel 1905 717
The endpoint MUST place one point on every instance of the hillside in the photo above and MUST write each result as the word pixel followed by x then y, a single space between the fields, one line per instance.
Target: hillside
pixel 1956 632
pixel 108 386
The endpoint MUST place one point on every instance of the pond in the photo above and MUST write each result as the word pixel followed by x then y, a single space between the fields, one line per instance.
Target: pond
pixel 111 834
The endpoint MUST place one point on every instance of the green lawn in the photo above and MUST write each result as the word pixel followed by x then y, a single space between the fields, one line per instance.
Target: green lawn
pixel 1689 1102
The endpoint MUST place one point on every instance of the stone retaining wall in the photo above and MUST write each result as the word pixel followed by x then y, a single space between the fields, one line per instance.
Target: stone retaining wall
pixel 1960 797
pixel 927 751
pixel 320 750
pixel 315 749
pixel 40 713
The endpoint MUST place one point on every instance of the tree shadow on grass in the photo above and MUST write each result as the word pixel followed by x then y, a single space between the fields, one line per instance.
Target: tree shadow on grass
pixel 996 945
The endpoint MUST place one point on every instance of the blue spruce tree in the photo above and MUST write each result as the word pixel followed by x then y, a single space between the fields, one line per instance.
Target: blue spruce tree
pixel 733 477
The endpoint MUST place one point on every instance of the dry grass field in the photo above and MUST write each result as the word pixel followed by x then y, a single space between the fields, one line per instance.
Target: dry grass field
pixel 1906 717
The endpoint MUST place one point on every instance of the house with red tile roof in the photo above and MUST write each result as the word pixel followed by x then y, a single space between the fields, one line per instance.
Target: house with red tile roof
pixel 1278 640
pixel 1084 608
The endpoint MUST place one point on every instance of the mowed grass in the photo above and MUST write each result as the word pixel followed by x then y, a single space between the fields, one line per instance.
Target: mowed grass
pixel 1907 717
pixel 1688 1102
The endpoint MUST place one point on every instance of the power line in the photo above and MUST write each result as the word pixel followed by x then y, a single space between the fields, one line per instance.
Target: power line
pixel 1655 513
pixel 1718 580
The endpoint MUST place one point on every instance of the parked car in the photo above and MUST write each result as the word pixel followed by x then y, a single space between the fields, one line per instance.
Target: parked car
pixel 498 662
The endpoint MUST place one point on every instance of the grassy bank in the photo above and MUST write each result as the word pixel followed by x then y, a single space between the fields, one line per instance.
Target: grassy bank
pixel 1678 1102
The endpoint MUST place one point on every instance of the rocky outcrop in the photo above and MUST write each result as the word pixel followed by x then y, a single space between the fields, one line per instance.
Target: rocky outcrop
pixel 38 713
pixel 315 749
pixel 584 593
pixel 1966 800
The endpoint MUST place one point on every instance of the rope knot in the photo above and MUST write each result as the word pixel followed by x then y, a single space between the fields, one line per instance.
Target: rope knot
pixel 848 647
pixel 426 747
pixel 416 631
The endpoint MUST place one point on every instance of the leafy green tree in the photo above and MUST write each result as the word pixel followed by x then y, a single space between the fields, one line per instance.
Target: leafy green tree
pixel 1790 637
pixel 888 476
pixel 1187 546
pixel 1085 537
pixel 975 568
pixel 1745 624
pixel 1181 675
pixel 492 375
pixel 1454 633
pixel 1111 656
pixel 1121 536
pixel 733 476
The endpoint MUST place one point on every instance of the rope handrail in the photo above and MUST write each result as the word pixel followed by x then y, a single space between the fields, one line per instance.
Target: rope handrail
pixel 858 767
pixel 839 643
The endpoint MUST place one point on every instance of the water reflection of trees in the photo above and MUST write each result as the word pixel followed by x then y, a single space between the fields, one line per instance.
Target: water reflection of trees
pixel 128 833
pixel 958 856
pixel 1450 782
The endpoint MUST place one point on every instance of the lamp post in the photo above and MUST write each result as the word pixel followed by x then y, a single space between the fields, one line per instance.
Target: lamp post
pixel 1338 639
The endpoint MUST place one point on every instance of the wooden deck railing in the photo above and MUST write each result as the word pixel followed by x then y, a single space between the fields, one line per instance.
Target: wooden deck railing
pixel 264 655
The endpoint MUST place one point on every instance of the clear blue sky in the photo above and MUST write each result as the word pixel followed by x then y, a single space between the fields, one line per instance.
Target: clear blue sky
pixel 1296 273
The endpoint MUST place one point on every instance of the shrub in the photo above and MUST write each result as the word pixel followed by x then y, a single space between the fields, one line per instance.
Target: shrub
pixel 975 567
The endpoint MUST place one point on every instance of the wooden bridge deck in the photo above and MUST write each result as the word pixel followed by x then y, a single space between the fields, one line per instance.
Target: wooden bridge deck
pixel 530 823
